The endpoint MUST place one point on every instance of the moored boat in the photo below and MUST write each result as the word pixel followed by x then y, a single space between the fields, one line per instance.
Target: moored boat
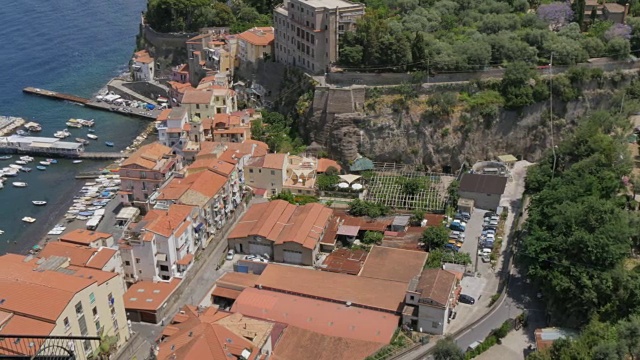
pixel 21 133
pixel 5 157
pixel 21 162
pixel 26 169
pixel 45 163
pixel 29 219
pixel 92 136
pixel 33 126
pixel 19 184
pixel 76 161
pixel 73 124
pixel 82 141
pixel 52 161
pixel 26 158
pixel 40 167
pixel 15 166
pixel 109 143
pixel 39 202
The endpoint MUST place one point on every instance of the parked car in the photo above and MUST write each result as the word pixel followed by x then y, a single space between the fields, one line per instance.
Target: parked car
pixel 493 223
pixel 249 257
pixel 466 299
pixel 489 227
pixel 230 254
pixel 484 251
pixel 485 258
pixel 458 216
pixel 465 215
pixel 451 247
pixel 454 234
pixel 259 259
pixel 489 214
pixel 495 218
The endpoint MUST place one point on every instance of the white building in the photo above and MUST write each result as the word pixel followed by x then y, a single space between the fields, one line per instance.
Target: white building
pixel 160 246
pixel 171 126
pixel 143 66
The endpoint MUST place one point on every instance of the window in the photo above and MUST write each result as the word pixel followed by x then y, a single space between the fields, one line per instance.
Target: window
pixel 87 346
pixel 197 106
pixel 137 260
pixel 94 311
pixel 113 313
pixel 340 27
pixel 98 327
pixel 127 263
pixel 110 299
pixel 92 298
pixel 260 171
pixel 115 324
pixel 435 324
pixel 273 172
pixel 67 325
pixel 79 311
pixel 164 268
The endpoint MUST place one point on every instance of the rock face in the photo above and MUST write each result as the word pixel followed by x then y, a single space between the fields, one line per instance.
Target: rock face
pixel 339 122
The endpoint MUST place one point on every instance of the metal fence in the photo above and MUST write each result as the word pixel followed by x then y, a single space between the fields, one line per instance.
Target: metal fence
pixel 49 347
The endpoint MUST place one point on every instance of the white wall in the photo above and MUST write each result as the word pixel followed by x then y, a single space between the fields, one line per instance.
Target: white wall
pixel 428 316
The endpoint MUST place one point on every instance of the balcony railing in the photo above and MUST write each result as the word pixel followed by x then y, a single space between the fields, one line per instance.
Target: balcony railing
pixel 48 347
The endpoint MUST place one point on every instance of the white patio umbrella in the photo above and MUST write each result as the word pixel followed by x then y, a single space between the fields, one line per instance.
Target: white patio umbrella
pixel 356 186
pixel 343 185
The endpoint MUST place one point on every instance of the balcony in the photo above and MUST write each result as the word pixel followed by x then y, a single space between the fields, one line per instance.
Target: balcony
pixel 46 347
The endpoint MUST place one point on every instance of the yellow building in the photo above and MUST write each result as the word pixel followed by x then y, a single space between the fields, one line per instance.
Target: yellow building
pixel 49 296
pixel 255 44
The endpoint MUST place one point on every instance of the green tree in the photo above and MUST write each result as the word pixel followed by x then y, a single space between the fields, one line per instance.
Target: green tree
pixel 327 182
pixel 285 195
pixel 579 8
pixel 411 186
pixel 443 103
pixel 416 217
pixel 372 237
pixel 447 349
pixel 435 237
pixel 359 207
pixel 452 192
pixel 517 85
pixel 418 49
pixel 619 48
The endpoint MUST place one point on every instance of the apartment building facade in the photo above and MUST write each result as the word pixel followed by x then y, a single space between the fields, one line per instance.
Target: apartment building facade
pixel 254 45
pixel 142 66
pixel 52 297
pixel 308 31
pixel 161 246
pixel 144 171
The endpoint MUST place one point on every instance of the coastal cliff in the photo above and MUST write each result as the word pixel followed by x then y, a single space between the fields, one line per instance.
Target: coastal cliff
pixel 385 125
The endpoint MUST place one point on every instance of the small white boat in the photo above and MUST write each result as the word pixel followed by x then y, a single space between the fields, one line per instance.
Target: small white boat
pixel 15 166
pixel 25 169
pixel 39 203
pixel 21 162
pixel 1 232
pixel 45 163
pixel 92 136
pixel 19 184
pixel 76 161
pixel 26 158
pixel 29 219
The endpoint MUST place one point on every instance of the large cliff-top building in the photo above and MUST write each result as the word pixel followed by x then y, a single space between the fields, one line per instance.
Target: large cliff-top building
pixel 308 31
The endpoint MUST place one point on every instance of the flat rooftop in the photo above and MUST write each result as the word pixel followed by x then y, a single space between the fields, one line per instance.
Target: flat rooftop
pixel 393 264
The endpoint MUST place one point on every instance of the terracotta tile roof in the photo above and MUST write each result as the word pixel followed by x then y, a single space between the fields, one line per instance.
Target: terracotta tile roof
pixel 245 148
pixel 164 115
pixel 436 285
pixel 275 161
pixel 324 164
pixel 237 279
pixel 393 264
pixel 148 156
pixel 327 318
pixel 329 237
pixel 186 260
pixel 98 276
pixel 225 292
pixel 434 219
pixel 180 87
pixel 147 295
pixel 215 165
pixel 77 254
pixel 230 156
pixel 225 120
pixel 197 97
pixel 378 294
pixel 213 334
pixel 22 325
pixel 166 222
pixel 344 261
pixel 365 223
pixel 297 343
pixel 281 222
pixel 84 237
pixel 258 36
pixel 142 56
pixel 102 258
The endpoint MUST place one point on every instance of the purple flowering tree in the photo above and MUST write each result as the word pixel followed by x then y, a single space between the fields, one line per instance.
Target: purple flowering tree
pixel 557 14
pixel 618 31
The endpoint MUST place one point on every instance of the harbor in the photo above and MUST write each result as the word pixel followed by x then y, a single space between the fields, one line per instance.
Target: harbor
pixel 110 102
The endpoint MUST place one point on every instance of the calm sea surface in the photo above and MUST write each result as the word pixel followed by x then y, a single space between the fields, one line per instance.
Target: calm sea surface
pixel 73 47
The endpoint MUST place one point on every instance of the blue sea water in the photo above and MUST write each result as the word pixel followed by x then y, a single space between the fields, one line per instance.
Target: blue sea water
pixel 72 47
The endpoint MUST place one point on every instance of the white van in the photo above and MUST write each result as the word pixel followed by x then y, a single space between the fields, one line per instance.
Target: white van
pixel 484 252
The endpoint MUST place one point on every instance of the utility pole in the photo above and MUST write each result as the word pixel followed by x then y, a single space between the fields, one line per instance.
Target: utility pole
pixel 553 146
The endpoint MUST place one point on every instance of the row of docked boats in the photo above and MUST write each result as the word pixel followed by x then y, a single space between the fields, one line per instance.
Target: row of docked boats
pixel 93 197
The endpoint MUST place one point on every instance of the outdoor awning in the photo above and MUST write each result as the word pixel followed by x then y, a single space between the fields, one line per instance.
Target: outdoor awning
pixel 348 230
pixel 225 293
pixel 198 227
pixel 186 260
pixel 349 178
pixel 161 257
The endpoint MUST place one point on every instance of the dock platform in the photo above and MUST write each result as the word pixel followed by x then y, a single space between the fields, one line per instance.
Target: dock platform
pixel 102 155
pixel 94 104
pixel 55 95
